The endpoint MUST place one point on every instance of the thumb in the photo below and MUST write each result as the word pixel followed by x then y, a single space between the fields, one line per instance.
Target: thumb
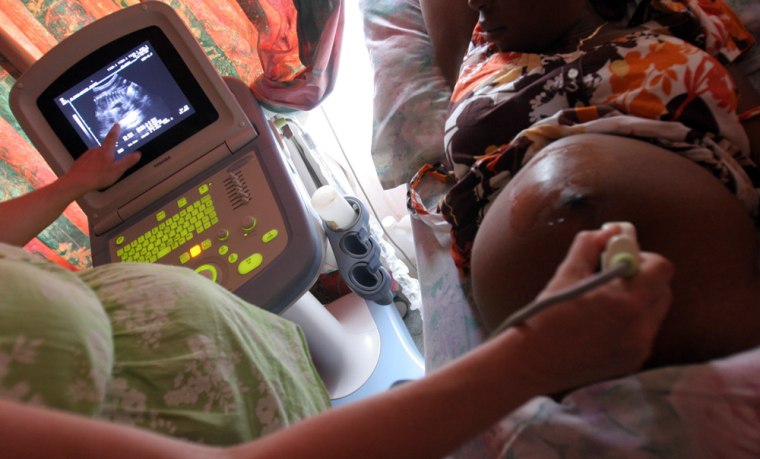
pixel 128 161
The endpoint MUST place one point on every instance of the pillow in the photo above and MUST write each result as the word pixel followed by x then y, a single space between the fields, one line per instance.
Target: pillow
pixel 749 12
pixel 411 96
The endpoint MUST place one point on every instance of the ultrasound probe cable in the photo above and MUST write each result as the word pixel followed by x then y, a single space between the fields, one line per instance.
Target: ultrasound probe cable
pixel 620 259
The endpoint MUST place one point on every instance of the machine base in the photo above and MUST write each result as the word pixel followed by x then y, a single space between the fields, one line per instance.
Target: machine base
pixel 359 347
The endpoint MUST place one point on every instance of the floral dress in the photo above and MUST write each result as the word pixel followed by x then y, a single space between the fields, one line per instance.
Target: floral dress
pixel 663 83
pixel 151 346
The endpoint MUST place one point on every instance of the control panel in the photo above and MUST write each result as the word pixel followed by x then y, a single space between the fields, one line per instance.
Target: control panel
pixel 241 223
pixel 227 228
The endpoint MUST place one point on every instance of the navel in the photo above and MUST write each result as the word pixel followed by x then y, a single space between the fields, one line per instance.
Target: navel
pixel 572 199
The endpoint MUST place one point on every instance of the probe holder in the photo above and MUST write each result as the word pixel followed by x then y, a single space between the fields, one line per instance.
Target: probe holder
pixel 358 256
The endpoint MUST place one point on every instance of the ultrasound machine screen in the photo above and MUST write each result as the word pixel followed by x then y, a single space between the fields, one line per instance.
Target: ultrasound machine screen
pixel 137 91
pixel 138 82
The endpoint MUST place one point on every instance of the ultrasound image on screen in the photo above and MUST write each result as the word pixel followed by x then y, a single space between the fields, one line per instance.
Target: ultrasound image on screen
pixel 136 91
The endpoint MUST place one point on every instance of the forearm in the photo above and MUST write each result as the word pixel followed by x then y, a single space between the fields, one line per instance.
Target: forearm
pixel 31 432
pixel 449 25
pixel 752 127
pixel 425 418
pixel 749 98
pixel 24 217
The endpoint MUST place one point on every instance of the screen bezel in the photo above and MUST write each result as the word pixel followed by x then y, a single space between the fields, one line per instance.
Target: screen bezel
pixel 205 113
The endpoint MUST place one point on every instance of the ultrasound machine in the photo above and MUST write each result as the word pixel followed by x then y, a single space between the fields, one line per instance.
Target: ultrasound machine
pixel 213 191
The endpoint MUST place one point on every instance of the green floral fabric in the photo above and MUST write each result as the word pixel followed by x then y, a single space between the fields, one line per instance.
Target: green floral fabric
pixel 153 346
pixel 55 338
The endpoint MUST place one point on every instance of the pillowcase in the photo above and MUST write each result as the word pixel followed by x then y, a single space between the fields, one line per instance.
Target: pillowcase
pixel 411 96
pixel 749 12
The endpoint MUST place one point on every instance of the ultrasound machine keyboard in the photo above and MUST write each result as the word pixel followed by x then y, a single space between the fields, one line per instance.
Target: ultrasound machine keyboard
pixel 216 228
pixel 191 220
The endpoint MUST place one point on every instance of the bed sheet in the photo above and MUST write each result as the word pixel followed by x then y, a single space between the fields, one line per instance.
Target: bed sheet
pixel 701 411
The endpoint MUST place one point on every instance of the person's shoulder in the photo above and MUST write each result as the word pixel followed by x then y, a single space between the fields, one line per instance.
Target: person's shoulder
pixel 656 42
pixel 654 37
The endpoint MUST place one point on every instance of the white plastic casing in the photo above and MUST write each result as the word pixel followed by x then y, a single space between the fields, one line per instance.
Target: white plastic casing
pixel 622 248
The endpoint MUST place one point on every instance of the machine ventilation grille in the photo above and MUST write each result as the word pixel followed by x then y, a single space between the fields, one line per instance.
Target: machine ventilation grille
pixel 237 189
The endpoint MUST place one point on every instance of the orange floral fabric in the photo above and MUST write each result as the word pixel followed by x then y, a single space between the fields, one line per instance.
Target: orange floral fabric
pixel 650 84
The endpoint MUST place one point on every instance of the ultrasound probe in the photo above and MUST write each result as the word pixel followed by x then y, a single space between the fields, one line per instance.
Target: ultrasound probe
pixel 620 259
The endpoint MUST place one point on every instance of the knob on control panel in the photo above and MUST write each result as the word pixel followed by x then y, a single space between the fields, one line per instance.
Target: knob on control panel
pixel 249 223
pixel 209 271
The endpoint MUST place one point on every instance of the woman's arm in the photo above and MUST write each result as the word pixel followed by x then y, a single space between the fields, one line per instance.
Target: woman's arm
pixel 24 217
pixel 603 334
pixel 424 418
pixel 748 98
pixel 449 24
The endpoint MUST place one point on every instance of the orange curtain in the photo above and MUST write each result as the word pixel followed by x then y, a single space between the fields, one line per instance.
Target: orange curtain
pixel 232 32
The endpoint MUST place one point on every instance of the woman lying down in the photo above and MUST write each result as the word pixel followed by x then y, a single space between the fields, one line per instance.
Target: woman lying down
pixel 570 113
pixel 567 114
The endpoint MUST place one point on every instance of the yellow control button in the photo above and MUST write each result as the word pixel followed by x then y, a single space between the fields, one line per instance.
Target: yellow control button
pixel 184 258
pixel 161 216
pixel 232 258
pixel 203 189
pixel 195 250
pixel 269 236
pixel 250 263
pixel 120 240
pixel 206 244
pixel 182 202
pixel 208 271
pixel 224 249
pixel 163 252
